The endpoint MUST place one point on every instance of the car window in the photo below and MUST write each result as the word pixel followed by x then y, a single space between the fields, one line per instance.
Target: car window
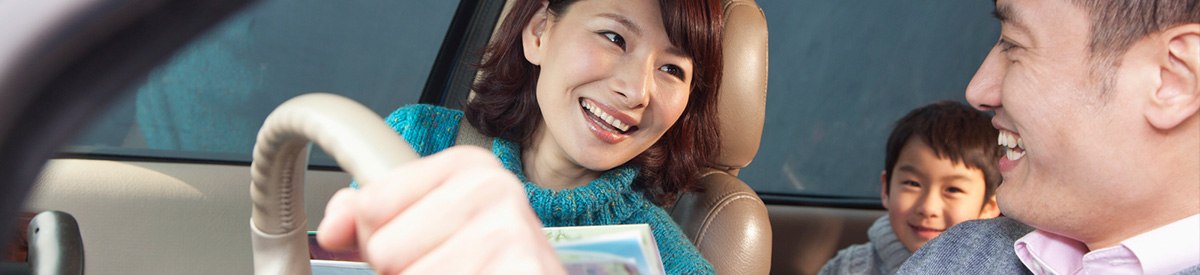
pixel 843 72
pixel 209 100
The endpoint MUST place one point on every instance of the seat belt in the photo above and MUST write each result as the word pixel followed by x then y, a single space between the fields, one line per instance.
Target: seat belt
pixel 468 135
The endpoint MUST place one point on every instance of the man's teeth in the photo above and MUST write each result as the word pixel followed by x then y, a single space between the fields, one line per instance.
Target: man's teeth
pixel 615 123
pixel 1011 142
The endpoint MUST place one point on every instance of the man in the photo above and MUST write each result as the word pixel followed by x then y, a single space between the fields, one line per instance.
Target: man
pixel 1097 106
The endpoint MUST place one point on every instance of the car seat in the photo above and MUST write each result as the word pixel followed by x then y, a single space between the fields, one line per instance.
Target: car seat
pixel 726 219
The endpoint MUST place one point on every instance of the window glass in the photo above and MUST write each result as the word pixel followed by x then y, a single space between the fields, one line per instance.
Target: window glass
pixel 843 72
pixel 210 99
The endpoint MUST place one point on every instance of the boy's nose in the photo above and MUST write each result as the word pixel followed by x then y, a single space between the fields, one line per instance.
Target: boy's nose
pixel 929 207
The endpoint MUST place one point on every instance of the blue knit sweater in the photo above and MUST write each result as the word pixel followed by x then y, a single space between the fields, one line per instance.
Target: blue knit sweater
pixel 610 199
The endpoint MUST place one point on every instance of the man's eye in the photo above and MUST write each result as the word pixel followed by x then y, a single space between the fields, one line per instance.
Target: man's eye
pixel 1005 45
pixel 673 70
pixel 614 38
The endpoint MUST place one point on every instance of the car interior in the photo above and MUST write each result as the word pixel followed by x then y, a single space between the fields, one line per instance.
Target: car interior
pixel 142 213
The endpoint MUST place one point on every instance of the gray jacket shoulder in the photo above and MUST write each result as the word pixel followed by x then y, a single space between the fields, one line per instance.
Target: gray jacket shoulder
pixel 972 247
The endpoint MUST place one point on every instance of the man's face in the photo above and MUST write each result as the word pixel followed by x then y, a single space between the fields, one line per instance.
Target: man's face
pixel 1067 136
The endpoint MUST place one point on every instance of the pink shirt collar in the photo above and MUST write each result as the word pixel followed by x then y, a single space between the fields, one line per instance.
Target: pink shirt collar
pixel 1164 250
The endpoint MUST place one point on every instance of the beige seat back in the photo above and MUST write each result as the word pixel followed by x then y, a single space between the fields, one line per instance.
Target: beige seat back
pixel 727 220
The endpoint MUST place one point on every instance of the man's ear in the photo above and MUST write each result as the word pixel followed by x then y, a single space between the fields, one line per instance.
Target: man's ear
pixel 531 35
pixel 883 188
pixel 1178 97
pixel 990 208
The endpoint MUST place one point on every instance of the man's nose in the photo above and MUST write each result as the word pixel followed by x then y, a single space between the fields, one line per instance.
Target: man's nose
pixel 984 90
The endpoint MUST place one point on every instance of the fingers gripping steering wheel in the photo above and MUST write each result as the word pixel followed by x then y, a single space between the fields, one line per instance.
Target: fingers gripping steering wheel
pixel 353 135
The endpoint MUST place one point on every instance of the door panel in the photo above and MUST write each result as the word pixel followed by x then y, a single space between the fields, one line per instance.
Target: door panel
pixel 164 218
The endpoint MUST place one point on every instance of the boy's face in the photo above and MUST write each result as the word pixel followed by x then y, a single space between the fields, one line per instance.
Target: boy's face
pixel 930 194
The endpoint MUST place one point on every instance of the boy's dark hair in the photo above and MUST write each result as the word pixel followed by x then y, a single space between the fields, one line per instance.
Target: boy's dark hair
pixel 954 131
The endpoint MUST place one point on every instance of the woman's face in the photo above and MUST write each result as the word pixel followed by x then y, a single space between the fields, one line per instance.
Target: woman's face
pixel 610 83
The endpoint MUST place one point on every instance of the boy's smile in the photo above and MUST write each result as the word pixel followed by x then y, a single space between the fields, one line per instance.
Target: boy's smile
pixel 925 232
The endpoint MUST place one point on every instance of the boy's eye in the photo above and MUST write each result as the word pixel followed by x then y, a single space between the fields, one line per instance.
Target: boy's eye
pixel 910 183
pixel 954 190
pixel 614 38
pixel 673 70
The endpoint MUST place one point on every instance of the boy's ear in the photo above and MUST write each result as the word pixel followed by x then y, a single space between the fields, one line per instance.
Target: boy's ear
pixel 883 188
pixel 531 35
pixel 990 209
pixel 1178 97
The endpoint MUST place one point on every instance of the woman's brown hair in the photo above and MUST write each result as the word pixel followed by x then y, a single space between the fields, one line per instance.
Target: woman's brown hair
pixel 505 103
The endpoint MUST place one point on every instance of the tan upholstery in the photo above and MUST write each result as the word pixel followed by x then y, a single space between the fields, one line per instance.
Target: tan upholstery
pixel 810 236
pixel 727 220
pixel 743 95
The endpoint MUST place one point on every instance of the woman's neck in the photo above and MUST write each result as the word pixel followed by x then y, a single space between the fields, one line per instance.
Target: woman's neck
pixel 548 166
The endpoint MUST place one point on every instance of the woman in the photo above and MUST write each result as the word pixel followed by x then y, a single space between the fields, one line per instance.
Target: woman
pixel 604 110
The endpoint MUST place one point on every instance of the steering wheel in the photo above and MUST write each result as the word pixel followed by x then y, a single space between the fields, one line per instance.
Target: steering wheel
pixel 353 135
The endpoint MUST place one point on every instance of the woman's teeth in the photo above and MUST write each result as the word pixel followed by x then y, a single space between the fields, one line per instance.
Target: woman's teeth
pixel 1014 146
pixel 615 123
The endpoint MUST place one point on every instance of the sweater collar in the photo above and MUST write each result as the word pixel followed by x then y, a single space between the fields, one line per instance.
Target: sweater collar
pixel 608 199
pixel 888 248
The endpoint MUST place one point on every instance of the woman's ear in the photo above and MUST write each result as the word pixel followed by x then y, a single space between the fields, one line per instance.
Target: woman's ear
pixel 990 209
pixel 883 188
pixel 1178 97
pixel 532 34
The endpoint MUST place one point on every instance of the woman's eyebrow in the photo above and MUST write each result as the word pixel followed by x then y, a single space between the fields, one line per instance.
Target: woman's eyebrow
pixel 633 27
pixel 623 21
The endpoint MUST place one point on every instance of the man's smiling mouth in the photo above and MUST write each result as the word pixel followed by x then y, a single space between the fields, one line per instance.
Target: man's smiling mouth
pixel 1014 146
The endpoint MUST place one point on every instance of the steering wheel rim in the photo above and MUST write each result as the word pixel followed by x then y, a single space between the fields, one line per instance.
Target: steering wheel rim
pixel 357 139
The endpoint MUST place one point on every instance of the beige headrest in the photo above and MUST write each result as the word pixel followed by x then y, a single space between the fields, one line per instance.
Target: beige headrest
pixel 743 94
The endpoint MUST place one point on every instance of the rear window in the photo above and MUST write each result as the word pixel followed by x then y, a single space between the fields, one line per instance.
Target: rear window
pixel 209 100
pixel 843 72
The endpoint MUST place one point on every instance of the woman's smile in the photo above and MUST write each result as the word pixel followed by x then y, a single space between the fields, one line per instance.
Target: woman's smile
pixel 605 123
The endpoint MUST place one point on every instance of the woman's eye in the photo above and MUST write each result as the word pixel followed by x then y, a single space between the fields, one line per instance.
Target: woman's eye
pixel 673 70
pixel 614 38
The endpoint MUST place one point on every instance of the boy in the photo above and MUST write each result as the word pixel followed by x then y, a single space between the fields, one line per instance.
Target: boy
pixel 939 171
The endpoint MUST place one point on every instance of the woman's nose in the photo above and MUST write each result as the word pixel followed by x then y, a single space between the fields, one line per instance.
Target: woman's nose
pixel 634 83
